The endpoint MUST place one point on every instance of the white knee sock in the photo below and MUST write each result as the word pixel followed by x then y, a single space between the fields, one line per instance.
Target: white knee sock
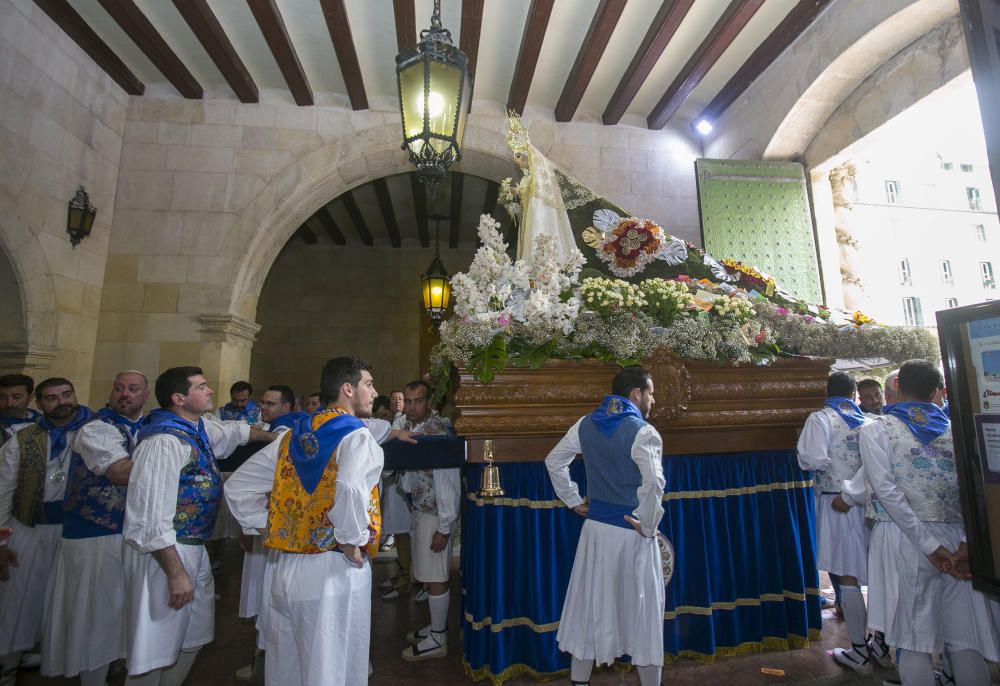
pixel 579 670
pixel 855 614
pixel 439 612
pixel 175 674
pixel 95 677
pixel 915 669
pixel 968 668
pixel 649 675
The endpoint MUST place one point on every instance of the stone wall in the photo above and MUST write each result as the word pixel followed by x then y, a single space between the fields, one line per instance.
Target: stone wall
pixel 360 302
pixel 61 125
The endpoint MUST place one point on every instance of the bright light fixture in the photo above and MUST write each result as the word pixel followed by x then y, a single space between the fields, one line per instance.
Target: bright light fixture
pixel 704 127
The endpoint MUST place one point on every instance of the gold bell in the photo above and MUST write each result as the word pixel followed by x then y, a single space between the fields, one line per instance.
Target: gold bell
pixel 489 485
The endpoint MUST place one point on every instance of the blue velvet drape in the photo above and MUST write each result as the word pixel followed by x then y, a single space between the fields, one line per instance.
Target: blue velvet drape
pixel 745 576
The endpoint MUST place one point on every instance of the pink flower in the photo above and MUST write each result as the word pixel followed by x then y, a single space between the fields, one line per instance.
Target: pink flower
pixel 504 320
pixel 782 311
pixel 683 278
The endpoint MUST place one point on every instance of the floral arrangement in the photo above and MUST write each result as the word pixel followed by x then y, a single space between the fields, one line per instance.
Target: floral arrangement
pixel 751 276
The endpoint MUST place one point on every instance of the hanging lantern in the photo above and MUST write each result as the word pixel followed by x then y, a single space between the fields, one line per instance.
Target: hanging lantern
pixel 435 284
pixel 80 219
pixel 434 92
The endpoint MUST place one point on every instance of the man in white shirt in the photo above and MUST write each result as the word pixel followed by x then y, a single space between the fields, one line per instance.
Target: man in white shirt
pixel 921 596
pixel 614 603
pixel 15 392
pixel 172 503
pixel 87 588
pixel 33 472
pixel 434 495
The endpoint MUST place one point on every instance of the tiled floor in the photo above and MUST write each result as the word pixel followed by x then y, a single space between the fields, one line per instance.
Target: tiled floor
pixel 234 640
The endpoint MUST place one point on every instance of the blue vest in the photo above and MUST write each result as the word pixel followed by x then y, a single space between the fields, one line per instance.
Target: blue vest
pixel 613 479
pixel 93 505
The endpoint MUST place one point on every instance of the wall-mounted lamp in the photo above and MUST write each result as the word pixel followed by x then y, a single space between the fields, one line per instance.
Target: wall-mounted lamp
pixel 80 218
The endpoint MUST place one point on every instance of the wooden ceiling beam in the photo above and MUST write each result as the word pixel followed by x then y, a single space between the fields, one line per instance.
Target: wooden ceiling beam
pixel 737 15
pixel 357 219
pixel 420 209
pixel 326 219
pixel 603 24
pixel 455 220
pixel 73 25
pixel 472 27
pixel 139 29
pixel 268 18
pixel 490 201
pixel 527 57
pixel 790 28
pixel 339 27
pixel 662 29
pixel 307 235
pixel 206 28
pixel 385 204
pixel 406 24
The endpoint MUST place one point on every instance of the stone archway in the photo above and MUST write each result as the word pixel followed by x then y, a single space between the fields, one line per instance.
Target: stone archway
pixel 27 313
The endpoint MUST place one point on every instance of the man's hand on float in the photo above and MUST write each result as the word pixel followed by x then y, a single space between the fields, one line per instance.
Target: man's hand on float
pixel 353 553
pixel 582 509
pixel 439 541
pixel 943 560
pixel 8 559
pixel 404 436
pixel 840 505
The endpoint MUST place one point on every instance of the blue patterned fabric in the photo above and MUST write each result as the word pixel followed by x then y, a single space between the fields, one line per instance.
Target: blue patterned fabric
pixel 926 421
pixel 200 485
pixel 745 574
pixel 93 505
pixel 250 413
pixel 848 410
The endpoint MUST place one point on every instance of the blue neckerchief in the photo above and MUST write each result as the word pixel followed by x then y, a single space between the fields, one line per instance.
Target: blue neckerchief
pixel 164 421
pixel 310 451
pixel 57 434
pixel 112 416
pixel 287 420
pixel 847 409
pixel 11 421
pixel 925 420
pixel 249 413
pixel 613 409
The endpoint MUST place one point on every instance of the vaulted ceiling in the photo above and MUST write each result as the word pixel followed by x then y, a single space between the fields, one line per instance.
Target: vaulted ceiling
pixel 656 60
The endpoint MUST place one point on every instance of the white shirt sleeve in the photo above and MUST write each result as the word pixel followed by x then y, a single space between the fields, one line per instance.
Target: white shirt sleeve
pixel 10 462
pixel 874 444
pixel 647 453
pixel 814 443
pixel 151 503
pixel 226 436
pixel 100 445
pixel 359 465
pixel 379 429
pixel 558 462
pixel 248 490
pixel 399 422
pixel 448 494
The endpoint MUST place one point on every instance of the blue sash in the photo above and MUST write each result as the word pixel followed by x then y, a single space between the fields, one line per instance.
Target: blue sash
pixel 57 434
pixel 926 421
pixel 613 409
pixel 848 410
pixel 287 420
pixel 310 451
pixel 607 513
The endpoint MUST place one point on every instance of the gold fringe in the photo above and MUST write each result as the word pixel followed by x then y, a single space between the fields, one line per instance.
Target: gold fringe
pixel 507 623
pixel 740 602
pixel 768 643
pixel 676 495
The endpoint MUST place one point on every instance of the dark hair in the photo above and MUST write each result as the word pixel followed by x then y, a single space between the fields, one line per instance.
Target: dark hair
pixel 395 390
pixel 418 383
pixel 50 383
pixel 317 394
pixel 869 383
pixel 287 394
pixel 840 384
pixel 241 386
pixel 919 379
pixel 12 380
pixel 629 378
pixel 174 380
pixel 380 402
pixel 336 373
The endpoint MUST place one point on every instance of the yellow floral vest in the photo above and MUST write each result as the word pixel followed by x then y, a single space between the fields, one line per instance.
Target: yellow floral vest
pixel 296 520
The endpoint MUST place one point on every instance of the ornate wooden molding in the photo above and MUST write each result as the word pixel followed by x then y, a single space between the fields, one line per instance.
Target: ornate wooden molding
pixel 701 407
pixel 224 327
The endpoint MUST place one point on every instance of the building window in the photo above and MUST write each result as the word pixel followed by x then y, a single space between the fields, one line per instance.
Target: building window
pixel 951 303
pixel 947 166
pixel 946 276
pixel 965 167
pixel 892 192
pixel 986 271
pixel 981 232
pixel 905 276
pixel 975 202
pixel 912 313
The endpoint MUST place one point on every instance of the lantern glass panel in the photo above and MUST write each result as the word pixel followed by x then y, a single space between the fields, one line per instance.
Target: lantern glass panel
pixel 88 221
pixel 75 218
pixel 411 86
pixel 463 111
pixel 445 80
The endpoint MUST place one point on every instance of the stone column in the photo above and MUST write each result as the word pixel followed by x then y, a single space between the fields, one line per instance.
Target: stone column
pixel 226 343
pixel 23 358
pixel 841 181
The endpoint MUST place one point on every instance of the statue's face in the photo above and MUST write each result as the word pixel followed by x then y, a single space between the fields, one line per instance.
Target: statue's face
pixel 521 160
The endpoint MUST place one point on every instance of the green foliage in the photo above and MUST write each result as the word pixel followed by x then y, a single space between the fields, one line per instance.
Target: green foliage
pixel 489 361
